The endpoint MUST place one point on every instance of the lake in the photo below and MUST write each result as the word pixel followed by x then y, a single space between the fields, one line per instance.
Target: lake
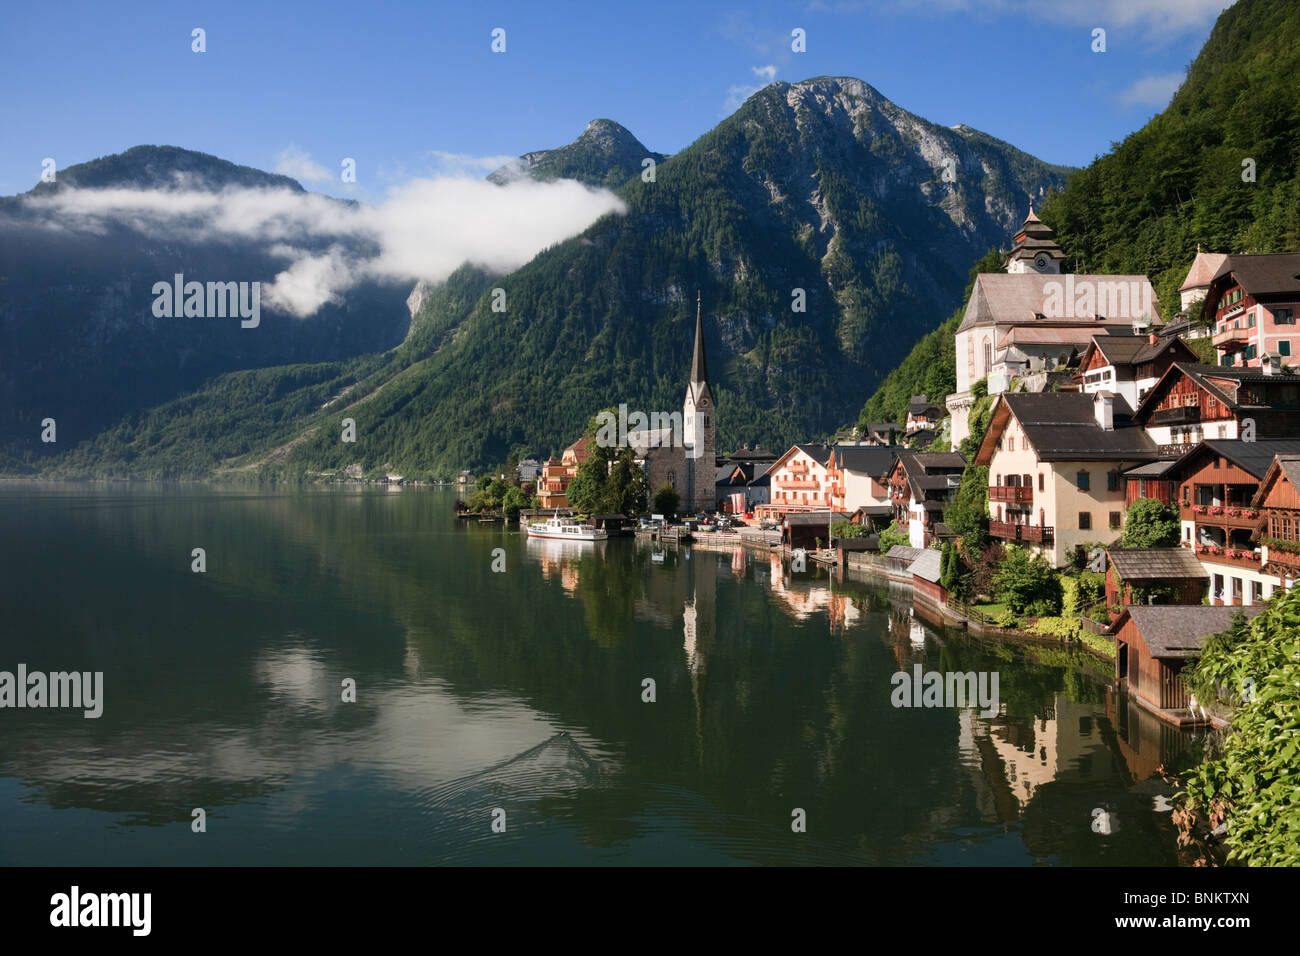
pixel 502 717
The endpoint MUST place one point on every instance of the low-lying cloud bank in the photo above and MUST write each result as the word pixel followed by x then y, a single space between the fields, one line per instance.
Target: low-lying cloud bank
pixel 424 229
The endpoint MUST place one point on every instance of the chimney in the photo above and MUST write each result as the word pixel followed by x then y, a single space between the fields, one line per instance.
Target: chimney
pixel 1153 339
pixel 1103 406
pixel 1267 364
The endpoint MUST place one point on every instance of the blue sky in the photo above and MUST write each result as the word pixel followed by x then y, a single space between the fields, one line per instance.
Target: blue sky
pixel 407 88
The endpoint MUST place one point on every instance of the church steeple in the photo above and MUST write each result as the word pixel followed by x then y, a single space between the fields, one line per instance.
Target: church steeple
pixel 699 367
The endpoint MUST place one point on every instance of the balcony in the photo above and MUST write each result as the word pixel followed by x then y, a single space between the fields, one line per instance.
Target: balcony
pixel 1233 557
pixel 809 484
pixel 1222 516
pixel 1231 339
pixel 1182 415
pixel 1015 494
pixel 1034 534
pixel 1288 560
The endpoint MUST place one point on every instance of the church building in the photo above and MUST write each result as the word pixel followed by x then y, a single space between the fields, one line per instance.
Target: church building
pixel 685 458
pixel 1032 318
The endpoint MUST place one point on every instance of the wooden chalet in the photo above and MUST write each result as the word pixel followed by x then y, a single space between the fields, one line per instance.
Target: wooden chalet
pixel 1278 503
pixel 1154 643
pixel 1134 572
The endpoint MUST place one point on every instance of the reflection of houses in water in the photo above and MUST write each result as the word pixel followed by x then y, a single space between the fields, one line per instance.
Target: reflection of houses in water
pixel 1145 742
pixel 559 559
pixel 802 598
pixel 699 632
pixel 1012 759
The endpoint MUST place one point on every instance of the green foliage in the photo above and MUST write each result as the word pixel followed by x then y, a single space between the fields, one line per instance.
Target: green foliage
pixel 1219 673
pixel 968 514
pixel 1144 206
pixel 1151 523
pixel 1252 786
pixel 930 369
pixel 1027 583
pixel 666 500
pixel 1064 628
pixel 893 535
pixel 950 567
pixel 847 529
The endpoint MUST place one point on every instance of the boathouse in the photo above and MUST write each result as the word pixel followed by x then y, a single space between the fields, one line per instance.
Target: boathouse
pixel 1152 645
pixel 1153 576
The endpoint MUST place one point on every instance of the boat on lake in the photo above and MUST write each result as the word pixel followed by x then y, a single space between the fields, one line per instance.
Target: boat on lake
pixel 565 529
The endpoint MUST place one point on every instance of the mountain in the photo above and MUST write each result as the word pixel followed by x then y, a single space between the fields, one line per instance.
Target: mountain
pixel 826 228
pixel 77 328
pixel 1178 181
pixel 606 154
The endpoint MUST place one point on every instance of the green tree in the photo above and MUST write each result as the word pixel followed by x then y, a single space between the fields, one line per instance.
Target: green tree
pixel 666 500
pixel 1150 524
pixel 1027 583
pixel 847 529
pixel 968 515
pixel 893 535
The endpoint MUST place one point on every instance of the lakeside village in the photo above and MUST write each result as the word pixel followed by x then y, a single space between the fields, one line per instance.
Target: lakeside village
pixel 1099 475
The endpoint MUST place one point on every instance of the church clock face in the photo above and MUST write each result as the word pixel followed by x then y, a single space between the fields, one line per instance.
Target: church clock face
pixel 1042 261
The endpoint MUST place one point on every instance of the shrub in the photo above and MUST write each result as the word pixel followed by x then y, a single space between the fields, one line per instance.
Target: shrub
pixel 1024 580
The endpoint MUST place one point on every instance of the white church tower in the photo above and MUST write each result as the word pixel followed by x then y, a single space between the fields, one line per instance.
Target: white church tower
pixel 699 424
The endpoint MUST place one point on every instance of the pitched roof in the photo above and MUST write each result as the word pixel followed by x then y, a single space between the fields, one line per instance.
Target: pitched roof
pixel 926 566
pixel 1203 270
pixel 818 453
pixel 1016 298
pixel 1222 381
pixel 815 518
pixel 1253 457
pixel 920 405
pixel 1275 273
pixel 1062 426
pixel 1137 349
pixel 874 460
pixel 904 553
pixel 1152 564
pixel 1179 630
pixel 1286 467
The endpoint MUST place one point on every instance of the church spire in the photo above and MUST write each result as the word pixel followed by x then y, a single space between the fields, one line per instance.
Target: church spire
pixel 699 368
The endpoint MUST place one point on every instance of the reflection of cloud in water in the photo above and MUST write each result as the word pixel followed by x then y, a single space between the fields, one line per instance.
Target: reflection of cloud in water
pixel 296 676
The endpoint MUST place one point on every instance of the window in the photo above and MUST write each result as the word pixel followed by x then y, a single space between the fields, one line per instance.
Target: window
pixel 1256 592
pixel 1112 481
pixel 1250 322
pixel 1283 317
pixel 1116 519
pixel 1011 443
pixel 1040 481
pixel 1085 520
pixel 1284 347
pixel 1250 352
pixel 1083 481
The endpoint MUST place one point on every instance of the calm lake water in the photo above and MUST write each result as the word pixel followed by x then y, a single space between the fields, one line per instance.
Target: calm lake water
pixel 519 691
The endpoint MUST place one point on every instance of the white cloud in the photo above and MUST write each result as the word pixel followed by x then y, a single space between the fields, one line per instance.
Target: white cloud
pixel 1158 19
pixel 1152 90
pixel 461 164
pixel 737 93
pixel 765 73
pixel 294 162
pixel 423 229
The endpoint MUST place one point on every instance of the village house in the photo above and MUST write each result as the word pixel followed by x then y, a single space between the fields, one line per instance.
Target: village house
pixel 1055 461
pixel 921 485
pixel 922 413
pixel 859 476
pixel 1197 284
pixel 1152 645
pixel 799 482
pixel 1031 318
pixel 1253 302
pixel 1192 402
pixel 809 530
pixel 558 472
pixel 1214 486
pixel 1152 576
pixel 1279 530
pixel 1129 365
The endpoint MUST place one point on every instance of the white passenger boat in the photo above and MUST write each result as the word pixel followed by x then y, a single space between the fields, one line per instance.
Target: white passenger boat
pixel 565 530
